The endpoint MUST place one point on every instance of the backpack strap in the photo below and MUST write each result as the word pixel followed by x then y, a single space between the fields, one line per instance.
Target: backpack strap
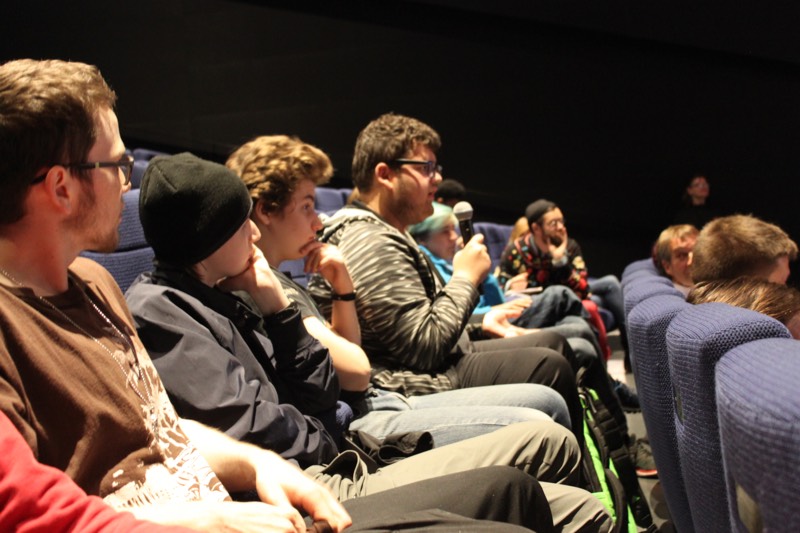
pixel 614 443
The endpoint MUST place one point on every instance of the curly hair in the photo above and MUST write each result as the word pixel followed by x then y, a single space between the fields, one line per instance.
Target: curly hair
pixel 385 139
pixel 272 165
pixel 47 117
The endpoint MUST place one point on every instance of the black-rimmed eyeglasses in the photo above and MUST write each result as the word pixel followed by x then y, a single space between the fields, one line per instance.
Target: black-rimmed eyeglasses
pixel 125 165
pixel 431 168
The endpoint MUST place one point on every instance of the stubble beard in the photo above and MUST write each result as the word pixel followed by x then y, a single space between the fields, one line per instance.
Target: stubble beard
pixel 86 222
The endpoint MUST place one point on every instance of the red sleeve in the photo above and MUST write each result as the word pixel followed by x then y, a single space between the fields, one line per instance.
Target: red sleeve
pixel 39 498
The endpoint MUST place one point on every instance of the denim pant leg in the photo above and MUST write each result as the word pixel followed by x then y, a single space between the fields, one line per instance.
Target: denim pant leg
pixel 609 290
pixel 550 306
pixel 581 338
pixel 456 415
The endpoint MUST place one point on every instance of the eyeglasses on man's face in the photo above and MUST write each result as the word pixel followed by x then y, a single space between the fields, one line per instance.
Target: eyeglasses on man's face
pixel 125 164
pixel 556 222
pixel 430 168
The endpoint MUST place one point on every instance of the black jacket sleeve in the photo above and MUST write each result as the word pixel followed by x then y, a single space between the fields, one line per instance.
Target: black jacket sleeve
pixel 213 377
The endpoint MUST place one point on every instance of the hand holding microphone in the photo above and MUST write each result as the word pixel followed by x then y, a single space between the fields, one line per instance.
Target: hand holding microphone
pixel 463 213
pixel 473 262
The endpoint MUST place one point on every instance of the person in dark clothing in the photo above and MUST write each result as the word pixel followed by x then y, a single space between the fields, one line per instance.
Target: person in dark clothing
pixel 246 364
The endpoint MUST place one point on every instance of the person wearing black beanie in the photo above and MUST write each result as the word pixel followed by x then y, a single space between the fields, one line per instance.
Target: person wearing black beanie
pixel 255 373
pixel 190 207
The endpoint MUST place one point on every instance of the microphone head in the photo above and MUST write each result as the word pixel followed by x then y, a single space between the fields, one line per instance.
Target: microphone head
pixel 462 211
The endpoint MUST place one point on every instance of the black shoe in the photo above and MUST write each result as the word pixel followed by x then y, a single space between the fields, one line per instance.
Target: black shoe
pixel 627 398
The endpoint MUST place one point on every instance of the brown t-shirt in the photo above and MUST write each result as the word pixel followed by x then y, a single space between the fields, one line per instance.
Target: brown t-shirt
pixel 78 408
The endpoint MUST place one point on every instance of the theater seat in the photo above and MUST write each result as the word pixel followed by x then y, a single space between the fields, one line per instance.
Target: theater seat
pixel 328 200
pixel 133 255
pixel 696 339
pixel 759 423
pixel 647 329
pixel 495 237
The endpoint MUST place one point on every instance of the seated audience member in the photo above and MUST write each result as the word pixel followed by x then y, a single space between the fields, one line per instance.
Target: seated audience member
pixel 35 497
pixel 672 255
pixel 557 306
pixel 249 367
pixel 413 328
pixel 742 245
pixel 777 300
pixel 695 209
pixel 76 381
pixel 549 257
pixel 520 229
pixel 450 192
pixel 281 174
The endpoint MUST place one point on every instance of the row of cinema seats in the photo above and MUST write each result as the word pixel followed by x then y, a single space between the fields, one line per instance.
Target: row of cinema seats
pixel 717 385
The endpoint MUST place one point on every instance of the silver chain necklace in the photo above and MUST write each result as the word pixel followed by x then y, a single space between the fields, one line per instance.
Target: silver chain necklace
pixel 118 355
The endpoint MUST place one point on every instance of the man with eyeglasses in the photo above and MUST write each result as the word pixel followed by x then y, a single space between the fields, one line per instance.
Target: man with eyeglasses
pixel 414 328
pixel 79 388
pixel 548 256
pixel 75 379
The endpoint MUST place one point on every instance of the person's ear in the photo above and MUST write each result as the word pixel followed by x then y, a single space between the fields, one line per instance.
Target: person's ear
pixel 62 189
pixel 667 266
pixel 260 215
pixel 384 175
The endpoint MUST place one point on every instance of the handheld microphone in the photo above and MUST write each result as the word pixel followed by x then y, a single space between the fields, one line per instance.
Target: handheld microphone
pixel 463 212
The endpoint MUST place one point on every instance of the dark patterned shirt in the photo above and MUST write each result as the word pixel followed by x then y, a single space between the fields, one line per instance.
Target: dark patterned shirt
pixel 524 256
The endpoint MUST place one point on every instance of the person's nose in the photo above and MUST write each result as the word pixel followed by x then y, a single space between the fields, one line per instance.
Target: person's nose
pixel 255 234
pixel 317 223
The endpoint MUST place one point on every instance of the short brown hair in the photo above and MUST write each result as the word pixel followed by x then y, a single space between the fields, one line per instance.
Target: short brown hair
pixel 385 139
pixel 47 117
pixel 662 249
pixel 272 165
pixel 779 301
pixel 739 245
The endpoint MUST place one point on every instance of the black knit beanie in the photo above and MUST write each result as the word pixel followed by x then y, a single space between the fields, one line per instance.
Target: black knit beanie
pixel 537 209
pixel 190 207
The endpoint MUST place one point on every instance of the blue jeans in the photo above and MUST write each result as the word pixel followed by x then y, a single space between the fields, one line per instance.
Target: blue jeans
pixel 459 414
pixel 558 308
pixel 609 291
pixel 549 307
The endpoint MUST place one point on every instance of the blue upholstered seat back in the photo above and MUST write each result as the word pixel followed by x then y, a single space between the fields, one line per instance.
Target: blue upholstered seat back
pixel 696 339
pixel 759 421
pixel 647 329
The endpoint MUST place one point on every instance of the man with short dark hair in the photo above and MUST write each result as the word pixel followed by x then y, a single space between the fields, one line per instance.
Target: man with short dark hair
pixel 451 192
pixel 76 381
pixel 412 325
pixel 742 245
pixel 550 257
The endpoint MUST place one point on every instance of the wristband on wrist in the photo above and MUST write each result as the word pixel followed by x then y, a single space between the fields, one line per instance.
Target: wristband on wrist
pixel 348 297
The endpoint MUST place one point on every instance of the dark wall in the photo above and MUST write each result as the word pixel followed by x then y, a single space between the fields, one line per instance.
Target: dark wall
pixel 608 116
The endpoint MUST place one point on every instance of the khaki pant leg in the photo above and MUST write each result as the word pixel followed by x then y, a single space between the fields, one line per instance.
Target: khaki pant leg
pixel 543 449
pixel 576 510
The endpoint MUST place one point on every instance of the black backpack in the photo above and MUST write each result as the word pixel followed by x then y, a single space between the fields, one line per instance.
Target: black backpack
pixel 607 468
